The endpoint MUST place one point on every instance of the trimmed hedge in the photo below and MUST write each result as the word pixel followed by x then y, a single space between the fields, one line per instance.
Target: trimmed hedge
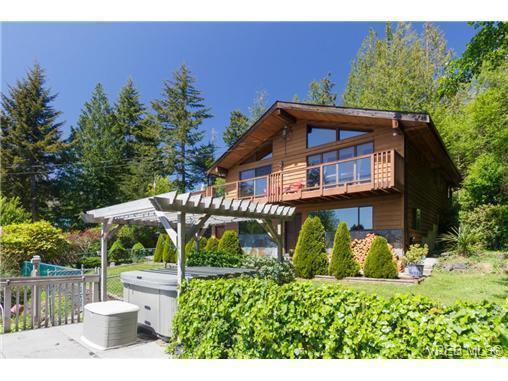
pixel 252 318
pixel 310 256
pixel 379 262
pixel 214 258
pixel 343 263
pixel 230 243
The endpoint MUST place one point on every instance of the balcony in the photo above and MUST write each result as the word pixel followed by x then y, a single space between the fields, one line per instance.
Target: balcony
pixel 379 172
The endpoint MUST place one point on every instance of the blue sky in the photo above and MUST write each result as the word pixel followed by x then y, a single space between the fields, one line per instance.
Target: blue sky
pixel 231 61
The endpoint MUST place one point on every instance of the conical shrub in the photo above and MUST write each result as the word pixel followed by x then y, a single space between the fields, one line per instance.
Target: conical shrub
pixel 159 248
pixel 343 263
pixel 230 243
pixel 169 251
pixel 310 253
pixel 191 245
pixel 212 244
pixel 379 262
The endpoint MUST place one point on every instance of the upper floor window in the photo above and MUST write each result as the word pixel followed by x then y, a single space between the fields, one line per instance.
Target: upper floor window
pixel 341 154
pixel 317 136
pixel 261 153
pixel 254 182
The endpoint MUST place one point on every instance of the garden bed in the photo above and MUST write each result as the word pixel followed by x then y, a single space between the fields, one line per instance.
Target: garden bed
pixel 403 280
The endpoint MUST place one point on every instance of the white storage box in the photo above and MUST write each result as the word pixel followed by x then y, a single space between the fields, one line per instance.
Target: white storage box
pixel 110 324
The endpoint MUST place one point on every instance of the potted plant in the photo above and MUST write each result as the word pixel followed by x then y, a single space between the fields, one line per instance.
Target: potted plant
pixel 413 259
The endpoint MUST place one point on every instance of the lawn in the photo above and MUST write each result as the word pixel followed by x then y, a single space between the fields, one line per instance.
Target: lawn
pixel 485 279
pixel 115 286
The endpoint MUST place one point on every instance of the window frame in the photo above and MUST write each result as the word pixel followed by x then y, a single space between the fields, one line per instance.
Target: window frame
pixel 337 133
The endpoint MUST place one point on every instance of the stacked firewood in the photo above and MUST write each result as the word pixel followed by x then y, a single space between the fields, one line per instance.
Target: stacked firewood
pixel 361 248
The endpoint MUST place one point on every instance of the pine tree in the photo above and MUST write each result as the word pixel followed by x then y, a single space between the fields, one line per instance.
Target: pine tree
pixel 400 71
pixel 238 124
pixel 141 142
pixel 31 142
pixel 258 107
pixel 310 253
pixel 97 150
pixel 343 263
pixel 321 92
pixel 180 114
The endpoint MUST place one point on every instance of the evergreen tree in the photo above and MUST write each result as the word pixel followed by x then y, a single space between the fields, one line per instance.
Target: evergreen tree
pixel 310 253
pixel 343 263
pixel 180 114
pixel 97 154
pixel 258 107
pixel 400 71
pixel 31 142
pixel 238 124
pixel 321 92
pixel 141 142
pixel 379 262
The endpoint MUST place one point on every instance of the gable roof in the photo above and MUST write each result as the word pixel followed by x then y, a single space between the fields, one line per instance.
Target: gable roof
pixel 418 127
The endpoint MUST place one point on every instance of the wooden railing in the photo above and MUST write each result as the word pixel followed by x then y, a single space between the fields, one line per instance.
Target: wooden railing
pixel 34 302
pixel 386 172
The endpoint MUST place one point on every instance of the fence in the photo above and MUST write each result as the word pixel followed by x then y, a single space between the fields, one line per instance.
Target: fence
pixel 47 269
pixel 33 302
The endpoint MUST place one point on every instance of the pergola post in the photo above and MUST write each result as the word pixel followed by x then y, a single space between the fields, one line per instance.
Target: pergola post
pixel 180 248
pixel 105 226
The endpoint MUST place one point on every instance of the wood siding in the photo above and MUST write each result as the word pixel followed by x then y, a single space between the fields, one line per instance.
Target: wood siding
pixel 427 190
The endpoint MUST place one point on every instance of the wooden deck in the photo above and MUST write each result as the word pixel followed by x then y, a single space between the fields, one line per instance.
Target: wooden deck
pixel 295 185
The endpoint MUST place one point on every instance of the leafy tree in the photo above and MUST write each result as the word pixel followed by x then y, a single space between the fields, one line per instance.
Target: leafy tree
pixel 379 262
pixel 180 114
pixel 400 71
pixel 11 211
pixel 310 254
pixel 141 142
pixel 161 184
pixel 321 92
pixel 489 46
pixel 238 124
pixel 96 151
pixel 118 253
pixel 258 107
pixel 230 243
pixel 343 263
pixel 31 142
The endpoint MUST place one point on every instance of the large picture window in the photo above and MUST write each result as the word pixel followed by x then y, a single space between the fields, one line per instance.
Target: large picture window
pixel 317 136
pixel 356 218
pixel 254 182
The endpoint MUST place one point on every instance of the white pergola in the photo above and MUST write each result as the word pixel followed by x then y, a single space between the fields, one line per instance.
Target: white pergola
pixel 186 216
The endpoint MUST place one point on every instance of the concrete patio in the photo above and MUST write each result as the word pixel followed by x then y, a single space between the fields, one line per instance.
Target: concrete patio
pixel 64 342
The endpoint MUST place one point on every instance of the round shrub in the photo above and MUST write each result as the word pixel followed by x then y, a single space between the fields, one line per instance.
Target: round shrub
pixel 230 243
pixel 20 242
pixel 90 262
pixel 212 244
pixel 159 248
pixel 118 253
pixel 379 262
pixel 270 268
pixel 343 263
pixel 138 252
pixel 310 254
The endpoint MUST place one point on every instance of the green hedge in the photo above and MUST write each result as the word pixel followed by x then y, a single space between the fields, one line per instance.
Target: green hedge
pixel 379 262
pixel 343 263
pixel 214 258
pixel 230 243
pixel 252 318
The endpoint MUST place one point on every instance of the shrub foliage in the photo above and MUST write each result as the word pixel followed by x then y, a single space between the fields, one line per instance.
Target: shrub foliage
pixel 230 243
pixel 343 263
pixel 379 262
pixel 252 318
pixel 20 242
pixel 214 258
pixel 271 268
pixel 310 253
pixel 212 244
pixel 118 253
pixel 159 248
pixel 169 251
pixel 490 225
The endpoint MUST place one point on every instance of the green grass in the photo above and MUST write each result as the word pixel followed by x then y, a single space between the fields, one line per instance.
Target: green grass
pixel 115 286
pixel 485 279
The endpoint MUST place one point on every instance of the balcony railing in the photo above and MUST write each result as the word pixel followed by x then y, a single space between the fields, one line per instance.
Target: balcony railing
pixel 381 170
